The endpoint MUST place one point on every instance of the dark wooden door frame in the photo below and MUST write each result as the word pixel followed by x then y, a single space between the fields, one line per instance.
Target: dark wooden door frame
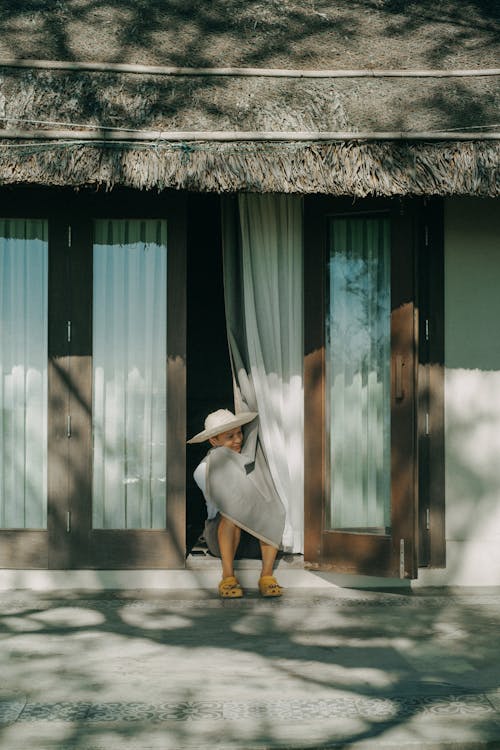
pixel 356 552
pixel 30 548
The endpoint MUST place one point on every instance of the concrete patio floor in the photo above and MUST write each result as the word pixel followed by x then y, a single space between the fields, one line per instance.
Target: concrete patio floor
pixel 329 668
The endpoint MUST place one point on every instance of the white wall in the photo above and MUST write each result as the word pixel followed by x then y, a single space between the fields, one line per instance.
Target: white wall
pixel 472 394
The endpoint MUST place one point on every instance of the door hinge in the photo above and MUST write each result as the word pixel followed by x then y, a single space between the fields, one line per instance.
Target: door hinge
pixel 68 330
pixel 426 235
pixel 428 518
pixel 427 422
pixel 69 235
pixel 398 380
pixel 68 426
pixel 401 558
pixel 68 521
pixel 427 329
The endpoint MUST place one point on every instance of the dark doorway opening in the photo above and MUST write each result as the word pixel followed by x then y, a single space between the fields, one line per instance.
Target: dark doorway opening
pixel 209 380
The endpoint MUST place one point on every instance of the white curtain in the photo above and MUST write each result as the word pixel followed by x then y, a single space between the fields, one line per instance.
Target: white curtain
pixel 265 323
pixel 23 373
pixel 129 369
pixel 358 372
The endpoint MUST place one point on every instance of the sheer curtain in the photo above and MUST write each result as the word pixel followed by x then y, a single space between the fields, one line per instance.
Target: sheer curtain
pixel 23 373
pixel 263 281
pixel 129 374
pixel 358 372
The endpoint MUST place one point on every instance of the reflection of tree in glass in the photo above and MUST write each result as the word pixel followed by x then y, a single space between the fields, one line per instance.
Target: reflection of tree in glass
pixel 358 340
pixel 359 278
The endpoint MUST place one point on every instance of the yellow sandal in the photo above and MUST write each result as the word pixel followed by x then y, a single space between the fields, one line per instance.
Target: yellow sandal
pixel 229 588
pixel 269 586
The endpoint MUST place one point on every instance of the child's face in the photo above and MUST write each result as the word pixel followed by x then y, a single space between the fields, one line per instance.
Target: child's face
pixel 231 439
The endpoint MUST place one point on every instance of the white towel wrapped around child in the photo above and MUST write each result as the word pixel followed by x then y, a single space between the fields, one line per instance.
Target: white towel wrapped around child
pixel 241 486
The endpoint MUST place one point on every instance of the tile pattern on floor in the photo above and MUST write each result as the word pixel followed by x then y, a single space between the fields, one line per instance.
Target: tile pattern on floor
pixel 386 709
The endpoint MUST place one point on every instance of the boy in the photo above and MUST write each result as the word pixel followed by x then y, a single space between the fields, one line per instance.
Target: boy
pixel 238 495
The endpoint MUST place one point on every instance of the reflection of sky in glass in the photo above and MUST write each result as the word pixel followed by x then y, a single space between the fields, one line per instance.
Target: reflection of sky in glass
pixel 129 360
pixel 358 341
pixel 23 373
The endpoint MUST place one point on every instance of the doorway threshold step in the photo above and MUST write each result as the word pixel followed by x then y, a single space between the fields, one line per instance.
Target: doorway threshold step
pixel 208 562
pixel 204 577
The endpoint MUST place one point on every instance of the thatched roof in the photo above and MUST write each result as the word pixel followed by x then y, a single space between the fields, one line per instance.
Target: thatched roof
pixel 271 33
pixel 310 35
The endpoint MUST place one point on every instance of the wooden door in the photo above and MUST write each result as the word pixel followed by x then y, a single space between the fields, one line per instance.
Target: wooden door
pixel 122 505
pixel 360 386
pixel 78 526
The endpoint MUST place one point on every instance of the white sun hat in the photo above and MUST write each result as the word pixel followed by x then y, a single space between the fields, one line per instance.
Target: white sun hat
pixel 220 421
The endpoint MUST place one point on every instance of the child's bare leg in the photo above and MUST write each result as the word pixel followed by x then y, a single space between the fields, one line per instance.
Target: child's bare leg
pixel 229 537
pixel 268 553
pixel 268 585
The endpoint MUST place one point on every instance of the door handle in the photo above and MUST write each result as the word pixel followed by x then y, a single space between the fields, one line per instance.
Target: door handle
pixel 398 380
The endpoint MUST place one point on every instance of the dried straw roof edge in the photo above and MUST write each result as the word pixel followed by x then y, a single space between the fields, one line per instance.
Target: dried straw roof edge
pixel 354 168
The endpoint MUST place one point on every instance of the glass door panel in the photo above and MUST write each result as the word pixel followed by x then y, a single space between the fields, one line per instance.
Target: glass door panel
pixel 129 374
pixel 23 373
pixel 358 343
